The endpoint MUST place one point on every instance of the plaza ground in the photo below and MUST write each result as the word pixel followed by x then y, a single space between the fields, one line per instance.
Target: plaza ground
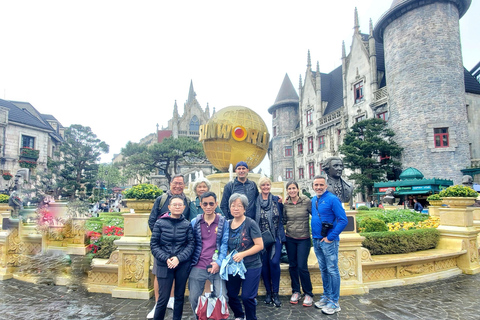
pixel 454 298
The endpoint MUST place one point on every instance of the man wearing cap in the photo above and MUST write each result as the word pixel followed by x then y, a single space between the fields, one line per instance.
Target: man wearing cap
pixel 243 186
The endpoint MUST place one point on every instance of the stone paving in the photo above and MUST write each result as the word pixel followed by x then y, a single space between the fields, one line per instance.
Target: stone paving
pixel 454 298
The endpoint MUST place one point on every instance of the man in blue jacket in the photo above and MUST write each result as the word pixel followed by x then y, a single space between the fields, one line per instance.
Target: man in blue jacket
pixel 210 231
pixel 243 186
pixel 328 221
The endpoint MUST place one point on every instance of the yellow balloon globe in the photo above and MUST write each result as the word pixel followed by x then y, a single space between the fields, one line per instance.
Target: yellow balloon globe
pixel 235 134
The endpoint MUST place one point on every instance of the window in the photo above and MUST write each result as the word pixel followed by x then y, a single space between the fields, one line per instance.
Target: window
pixel 274 131
pixel 310 144
pixel 441 137
pixel 321 142
pixel 288 151
pixel 274 114
pixel 358 92
pixel 300 173
pixel 28 141
pixel 194 124
pixel 383 116
pixel 361 118
pixel 300 148
pixel 321 169
pixel 289 173
pixel 311 170
pixel 309 117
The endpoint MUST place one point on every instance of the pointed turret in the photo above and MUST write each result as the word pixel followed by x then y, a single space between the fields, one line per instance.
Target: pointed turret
pixel 191 93
pixel 286 95
pixel 309 61
pixel 318 85
pixel 300 85
pixel 370 25
pixel 356 26
pixel 207 111
pixel 175 110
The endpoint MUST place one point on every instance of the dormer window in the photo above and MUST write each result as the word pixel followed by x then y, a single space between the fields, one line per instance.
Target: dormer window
pixel 358 92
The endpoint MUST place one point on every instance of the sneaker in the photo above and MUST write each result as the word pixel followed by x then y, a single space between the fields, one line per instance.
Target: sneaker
pixel 321 303
pixel 331 308
pixel 268 298
pixel 170 303
pixel 239 319
pixel 307 301
pixel 295 297
pixel 151 314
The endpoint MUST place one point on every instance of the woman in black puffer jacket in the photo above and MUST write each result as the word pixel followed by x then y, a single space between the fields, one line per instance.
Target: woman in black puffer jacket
pixel 172 245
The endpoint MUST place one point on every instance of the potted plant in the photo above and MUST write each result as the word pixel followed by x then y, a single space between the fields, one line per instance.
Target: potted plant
pixel 27 164
pixel 7 175
pixel 30 153
pixel 142 196
pixel 435 200
pixel 458 196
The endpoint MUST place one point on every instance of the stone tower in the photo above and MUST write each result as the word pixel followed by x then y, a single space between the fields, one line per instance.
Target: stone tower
pixel 284 120
pixel 426 88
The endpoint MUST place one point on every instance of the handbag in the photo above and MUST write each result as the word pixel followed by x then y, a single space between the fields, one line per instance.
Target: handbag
pixel 267 238
pixel 214 307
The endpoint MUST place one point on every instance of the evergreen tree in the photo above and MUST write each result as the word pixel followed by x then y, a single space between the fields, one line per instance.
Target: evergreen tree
pixel 370 151
pixel 163 158
pixel 79 155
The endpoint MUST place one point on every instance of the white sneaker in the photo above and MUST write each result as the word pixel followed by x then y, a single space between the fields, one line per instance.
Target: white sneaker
pixel 170 303
pixel 151 314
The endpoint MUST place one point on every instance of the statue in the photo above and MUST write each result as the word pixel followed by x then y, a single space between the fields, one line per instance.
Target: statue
pixel 15 201
pixel 388 198
pixel 467 181
pixel 333 166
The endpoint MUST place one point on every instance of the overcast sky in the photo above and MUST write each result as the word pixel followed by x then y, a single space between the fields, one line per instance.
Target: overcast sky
pixel 119 66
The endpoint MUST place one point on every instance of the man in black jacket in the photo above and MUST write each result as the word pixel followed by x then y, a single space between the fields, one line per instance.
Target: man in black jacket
pixel 243 186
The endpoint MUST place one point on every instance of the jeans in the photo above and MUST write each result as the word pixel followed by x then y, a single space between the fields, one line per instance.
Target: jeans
pixel 271 267
pixel 297 252
pixel 327 256
pixel 196 284
pixel 180 275
pixel 249 291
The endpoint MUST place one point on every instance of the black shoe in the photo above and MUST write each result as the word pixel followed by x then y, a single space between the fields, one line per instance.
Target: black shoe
pixel 268 298
pixel 276 299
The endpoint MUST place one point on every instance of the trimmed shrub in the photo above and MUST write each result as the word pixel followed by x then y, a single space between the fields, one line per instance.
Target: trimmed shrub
pixel 363 208
pixel 400 241
pixel 372 225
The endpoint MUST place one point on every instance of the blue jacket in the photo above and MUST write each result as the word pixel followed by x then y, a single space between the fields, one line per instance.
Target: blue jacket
pixel 329 210
pixel 222 238
pixel 249 189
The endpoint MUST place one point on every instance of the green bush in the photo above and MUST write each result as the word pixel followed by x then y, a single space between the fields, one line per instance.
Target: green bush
pixel 434 197
pixel 458 191
pixel 143 191
pixel 106 247
pixel 372 225
pixel 363 208
pixel 4 198
pixel 400 241
pixel 392 216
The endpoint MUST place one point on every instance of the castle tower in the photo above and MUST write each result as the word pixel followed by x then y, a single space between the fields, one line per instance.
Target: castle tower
pixel 284 121
pixel 425 84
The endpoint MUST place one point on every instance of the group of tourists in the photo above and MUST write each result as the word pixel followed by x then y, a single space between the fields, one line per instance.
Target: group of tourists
pixel 196 240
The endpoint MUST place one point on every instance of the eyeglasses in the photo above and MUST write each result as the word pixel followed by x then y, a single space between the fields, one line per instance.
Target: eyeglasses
pixel 206 204
pixel 177 205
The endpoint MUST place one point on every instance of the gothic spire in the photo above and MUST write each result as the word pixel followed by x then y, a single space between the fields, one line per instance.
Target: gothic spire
pixel 175 110
pixel 191 93
pixel 356 26
pixel 371 28
pixel 309 61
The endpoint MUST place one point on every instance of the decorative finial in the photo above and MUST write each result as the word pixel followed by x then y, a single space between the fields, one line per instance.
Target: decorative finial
pixel 356 26
pixel 309 61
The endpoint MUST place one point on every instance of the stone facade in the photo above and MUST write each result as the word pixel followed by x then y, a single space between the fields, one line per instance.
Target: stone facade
pixel 402 77
pixel 23 126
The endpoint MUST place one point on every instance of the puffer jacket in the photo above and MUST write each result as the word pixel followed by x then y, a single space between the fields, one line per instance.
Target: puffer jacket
pixel 172 237
pixel 296 217
pixel 249 189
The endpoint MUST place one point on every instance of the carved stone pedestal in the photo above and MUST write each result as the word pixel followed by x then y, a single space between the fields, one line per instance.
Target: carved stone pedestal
pixel 457 229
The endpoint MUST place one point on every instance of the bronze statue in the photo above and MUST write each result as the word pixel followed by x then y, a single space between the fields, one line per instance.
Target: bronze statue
pixel 333 166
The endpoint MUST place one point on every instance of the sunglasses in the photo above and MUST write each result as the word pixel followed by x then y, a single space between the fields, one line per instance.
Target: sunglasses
pixel 206 204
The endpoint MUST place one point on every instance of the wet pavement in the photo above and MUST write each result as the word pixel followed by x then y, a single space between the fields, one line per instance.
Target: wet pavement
pixel 454 298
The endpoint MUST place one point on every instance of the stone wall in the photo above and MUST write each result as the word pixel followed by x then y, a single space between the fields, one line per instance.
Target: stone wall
pixel 426 89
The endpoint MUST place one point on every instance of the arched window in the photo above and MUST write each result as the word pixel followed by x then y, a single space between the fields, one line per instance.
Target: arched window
pixel 194 124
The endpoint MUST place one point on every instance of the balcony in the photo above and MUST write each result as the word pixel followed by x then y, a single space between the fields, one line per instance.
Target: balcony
pixel 380 97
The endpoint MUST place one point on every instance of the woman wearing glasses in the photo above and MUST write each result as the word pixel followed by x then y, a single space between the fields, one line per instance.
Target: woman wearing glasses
pixel 244 237
pixel 172 245
pixel 200 186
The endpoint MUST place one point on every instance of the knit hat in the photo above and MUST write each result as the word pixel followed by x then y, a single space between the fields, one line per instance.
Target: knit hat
pixel 241 163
